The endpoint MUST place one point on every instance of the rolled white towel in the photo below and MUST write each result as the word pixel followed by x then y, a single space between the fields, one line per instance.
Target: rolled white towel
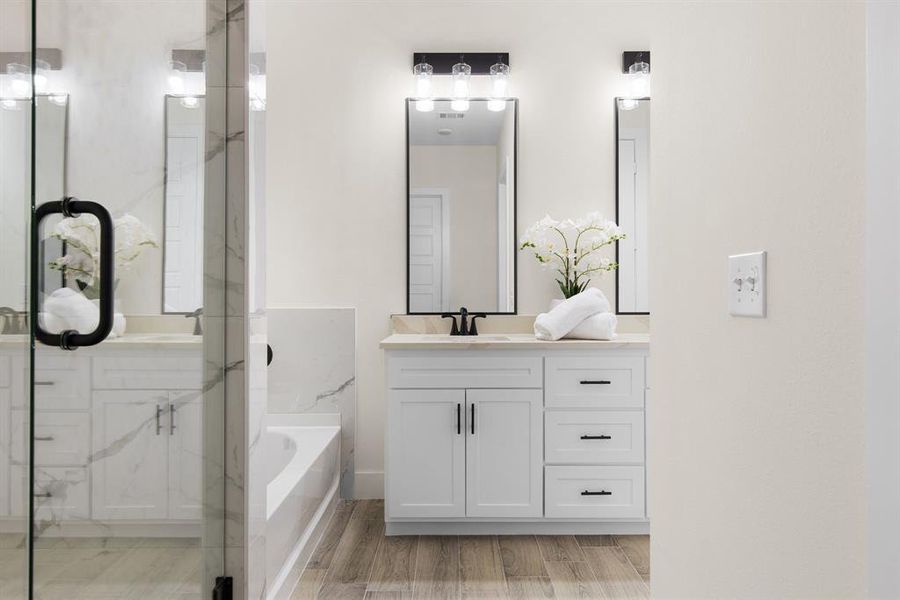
pixel 564 317
pixel 73 310
pixel 601 326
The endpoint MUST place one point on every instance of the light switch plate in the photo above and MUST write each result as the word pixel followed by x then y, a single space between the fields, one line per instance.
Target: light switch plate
pixel 747 284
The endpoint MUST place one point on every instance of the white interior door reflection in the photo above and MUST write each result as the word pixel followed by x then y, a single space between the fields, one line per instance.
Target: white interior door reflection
pixel 185 128
pixel 429 250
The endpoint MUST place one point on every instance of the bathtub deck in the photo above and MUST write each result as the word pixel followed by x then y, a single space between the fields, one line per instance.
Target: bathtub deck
pixel 356 560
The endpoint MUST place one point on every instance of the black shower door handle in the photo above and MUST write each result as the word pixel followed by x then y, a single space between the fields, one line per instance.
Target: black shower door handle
pixel 72 207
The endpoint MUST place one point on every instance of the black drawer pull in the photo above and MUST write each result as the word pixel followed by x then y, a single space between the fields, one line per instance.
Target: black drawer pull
pixel 44 438
pixel 594 382
pixel 596 437
pixel 43 495
pixel 600 493
pixel 44 383
pixel 458 419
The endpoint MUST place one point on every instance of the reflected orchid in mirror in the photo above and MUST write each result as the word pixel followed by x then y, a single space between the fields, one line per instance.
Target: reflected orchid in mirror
pixel 571 247
pixel 82 238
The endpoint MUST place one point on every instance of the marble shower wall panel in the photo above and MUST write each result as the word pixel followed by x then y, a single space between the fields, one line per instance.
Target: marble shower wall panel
pixel 313 370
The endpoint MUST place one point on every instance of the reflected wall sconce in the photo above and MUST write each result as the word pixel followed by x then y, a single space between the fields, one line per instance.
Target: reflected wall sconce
pixel 460 68
pixel 636 65
pixel 17 81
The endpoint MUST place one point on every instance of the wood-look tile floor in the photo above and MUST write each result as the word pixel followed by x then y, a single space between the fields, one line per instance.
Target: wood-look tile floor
pixel 355 560
pixel 105 568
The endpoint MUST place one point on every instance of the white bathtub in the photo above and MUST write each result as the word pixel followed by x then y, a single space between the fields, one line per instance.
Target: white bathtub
pixel 303 462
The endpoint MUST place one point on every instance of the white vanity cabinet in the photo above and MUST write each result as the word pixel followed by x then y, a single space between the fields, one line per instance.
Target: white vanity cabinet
pixel 111 423
pixel 514 435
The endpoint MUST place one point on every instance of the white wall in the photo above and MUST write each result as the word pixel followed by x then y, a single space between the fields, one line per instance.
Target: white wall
pixel 469 174
pixel 758 143
pixel 756 462
pixel 883 296
pixel 337 209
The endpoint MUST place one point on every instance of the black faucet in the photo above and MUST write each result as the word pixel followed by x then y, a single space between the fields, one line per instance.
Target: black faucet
pixel 464 328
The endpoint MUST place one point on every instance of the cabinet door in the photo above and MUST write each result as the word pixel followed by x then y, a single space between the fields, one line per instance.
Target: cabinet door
pixel 504 453
pixel 129 451
pixel 426 453
pixel 183 425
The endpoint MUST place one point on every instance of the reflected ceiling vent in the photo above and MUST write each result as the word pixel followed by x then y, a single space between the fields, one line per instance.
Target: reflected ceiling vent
pixel 451 115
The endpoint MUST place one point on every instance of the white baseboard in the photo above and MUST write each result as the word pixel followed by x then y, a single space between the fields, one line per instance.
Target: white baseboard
pixel 369 485
pixel 542 527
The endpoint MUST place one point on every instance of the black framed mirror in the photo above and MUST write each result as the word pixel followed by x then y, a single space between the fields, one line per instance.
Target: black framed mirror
pixel 461 205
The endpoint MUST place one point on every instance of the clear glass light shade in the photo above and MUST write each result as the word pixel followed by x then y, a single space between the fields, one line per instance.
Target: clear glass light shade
pixel 639 80
pixel 423 73
pixel 628 103
pixel 499 80
pixel 460 75
pixel 425 105
pixel 19 77
pixel 256 88
pixel 42 69
pixel 176 77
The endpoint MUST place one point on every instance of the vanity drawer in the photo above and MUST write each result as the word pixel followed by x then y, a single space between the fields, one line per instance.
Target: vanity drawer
pixel 595 382
pixel 60 493
pixel 486 371
pixel 152 371
pixel 594 436
pixel 61 382
pixel 60 438
pixel 594 492
pixel 5 371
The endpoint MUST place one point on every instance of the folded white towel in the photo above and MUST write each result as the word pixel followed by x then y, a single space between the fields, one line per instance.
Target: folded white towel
pixel 72 310
pixel 601 326
pixel 564 317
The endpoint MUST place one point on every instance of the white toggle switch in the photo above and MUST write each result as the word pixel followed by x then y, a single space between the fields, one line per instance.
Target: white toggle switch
pixel 747 284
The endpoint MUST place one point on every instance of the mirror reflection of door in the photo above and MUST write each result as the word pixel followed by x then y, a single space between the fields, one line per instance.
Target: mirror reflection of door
pixel 429 252
pixel 632 205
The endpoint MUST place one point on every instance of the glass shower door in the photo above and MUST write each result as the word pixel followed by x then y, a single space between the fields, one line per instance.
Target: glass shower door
pixel 127 441
pixel 15 345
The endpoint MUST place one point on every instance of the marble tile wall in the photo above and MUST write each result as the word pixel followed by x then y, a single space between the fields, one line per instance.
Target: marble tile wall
pixel 313 370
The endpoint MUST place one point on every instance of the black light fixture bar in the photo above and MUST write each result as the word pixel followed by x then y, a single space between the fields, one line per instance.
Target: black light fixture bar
pixel 52 56
pixel 629 57
pixel 442 62
pixel 193 59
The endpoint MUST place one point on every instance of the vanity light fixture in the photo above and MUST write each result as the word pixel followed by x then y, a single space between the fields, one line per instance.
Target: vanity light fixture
pixel 17 82
pixel 499 87
pixel 460 67
pixel 186 77
pixel 637 66
pixel 423 72
pixel 461 74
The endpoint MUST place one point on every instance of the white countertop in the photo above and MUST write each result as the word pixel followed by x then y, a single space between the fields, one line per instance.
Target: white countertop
pixel 129 339
pixel 415 341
